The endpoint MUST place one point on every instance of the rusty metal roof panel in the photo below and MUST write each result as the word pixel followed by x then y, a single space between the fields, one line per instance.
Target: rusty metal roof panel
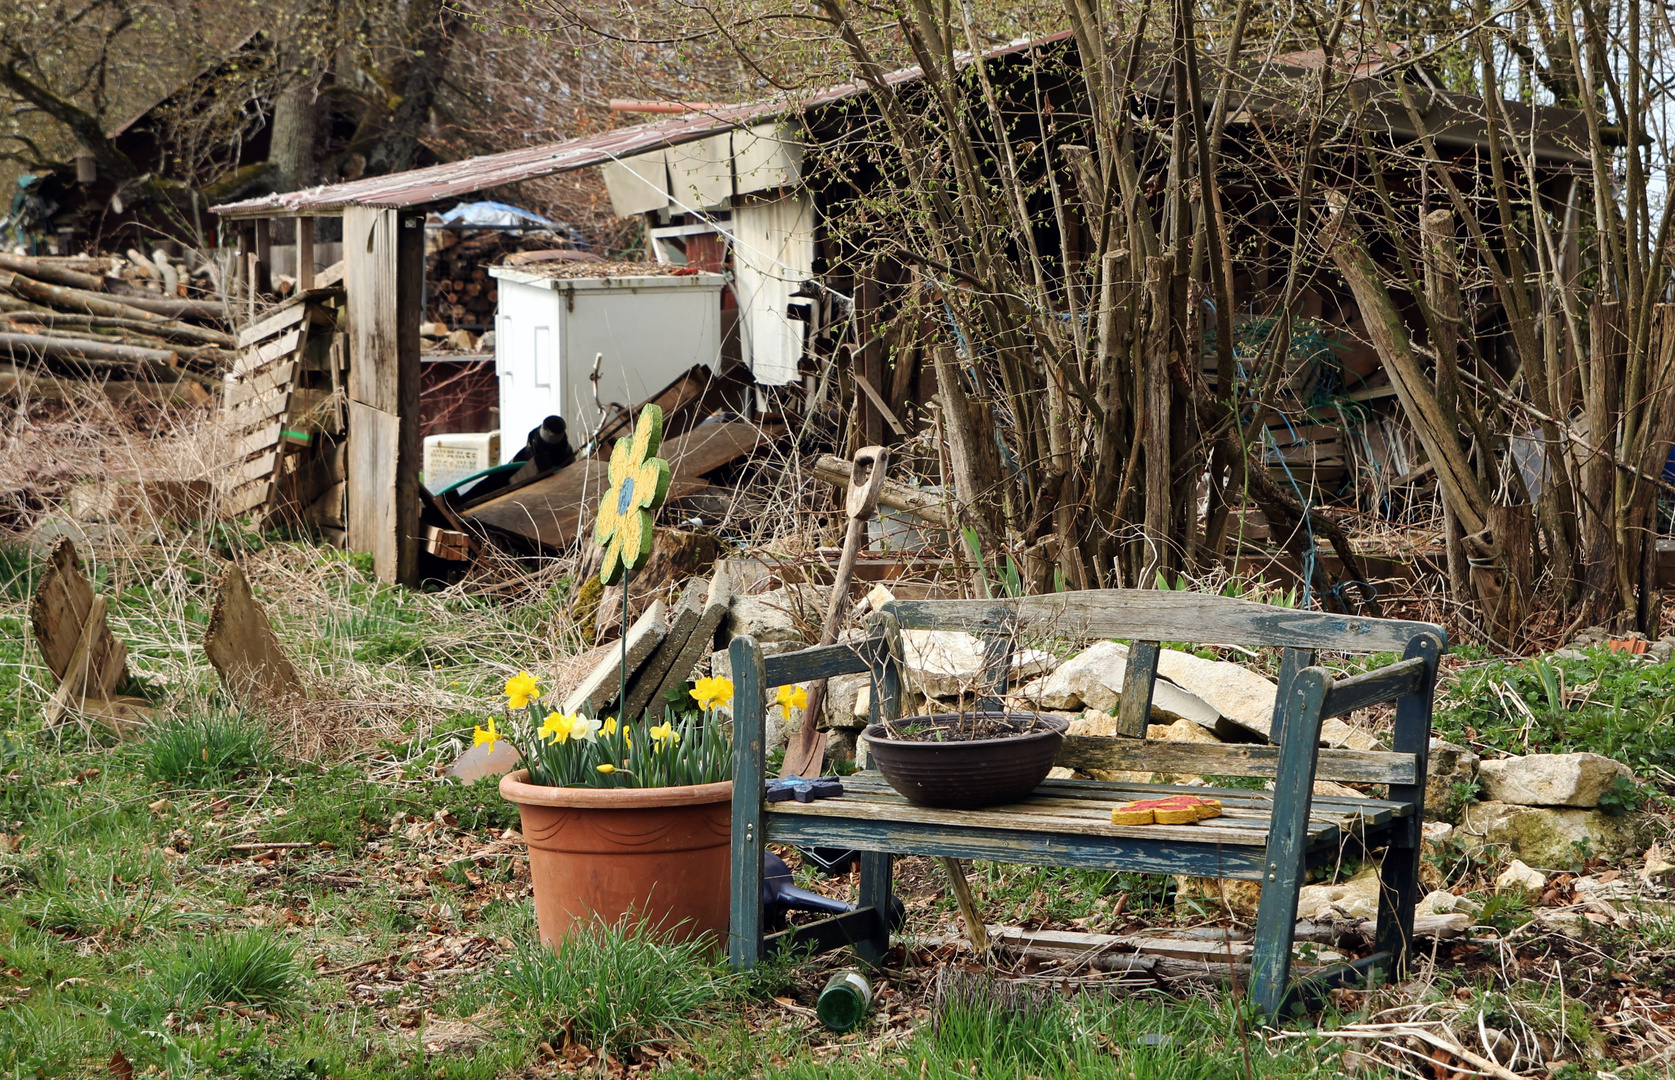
pixel 469 175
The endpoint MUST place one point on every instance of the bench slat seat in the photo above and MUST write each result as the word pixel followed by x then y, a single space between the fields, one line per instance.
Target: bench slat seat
pixel 1273 836
pixel 1071 808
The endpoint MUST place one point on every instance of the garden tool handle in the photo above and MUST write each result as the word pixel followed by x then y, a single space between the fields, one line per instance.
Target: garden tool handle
pixel 805 753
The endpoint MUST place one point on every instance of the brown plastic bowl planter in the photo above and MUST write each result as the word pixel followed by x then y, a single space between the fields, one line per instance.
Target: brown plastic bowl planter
pixel 966 774
pixel 657 854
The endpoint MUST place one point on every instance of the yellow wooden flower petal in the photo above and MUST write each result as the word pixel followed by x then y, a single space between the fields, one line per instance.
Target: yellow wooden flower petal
pixel 610 569
pixel 621 462
pixel 651 483
pixel 648 435
pixel 607 520
pixel 637 533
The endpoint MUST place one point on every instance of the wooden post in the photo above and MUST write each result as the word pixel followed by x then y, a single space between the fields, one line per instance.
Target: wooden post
pixel 383 254
pixel 1159 390
pixel 744 937
pixel 871 360
pixel 242 270
pixel 262 281
pixel 305 253
pixel 1138 680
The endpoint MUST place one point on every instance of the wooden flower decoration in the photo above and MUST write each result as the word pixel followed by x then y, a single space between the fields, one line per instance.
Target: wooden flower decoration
pixel 639 484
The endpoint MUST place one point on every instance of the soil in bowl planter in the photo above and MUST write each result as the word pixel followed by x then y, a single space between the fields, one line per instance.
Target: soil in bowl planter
pixel 967 727
pixel 965 761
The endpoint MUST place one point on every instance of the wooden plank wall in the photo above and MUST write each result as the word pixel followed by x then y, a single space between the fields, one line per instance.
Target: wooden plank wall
pixel 383 254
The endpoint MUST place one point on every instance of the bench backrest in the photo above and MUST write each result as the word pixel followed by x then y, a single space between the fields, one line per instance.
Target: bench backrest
pixel 1150 616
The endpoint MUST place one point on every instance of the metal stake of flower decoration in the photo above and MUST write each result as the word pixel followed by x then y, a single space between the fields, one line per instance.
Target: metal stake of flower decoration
pixel 639 482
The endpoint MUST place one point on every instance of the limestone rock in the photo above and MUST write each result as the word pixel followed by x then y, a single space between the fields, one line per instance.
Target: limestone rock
pixel 1520 878
pixel 1122 776
pixel 1356 898
pixel 776 615
pixel 1541 835
pixel 1059 772
pixel 1335 790
pixel 1342 735
pixel 1063 688
pixel 1217 895
pixel 1551 779
pixel 842 744
pixel 1240 695
pixel 1436 833
pixel 948 663
pixel 1093 679
pixel 1449 765
pixel 774 734
pixel 839 710
pixel 1442 902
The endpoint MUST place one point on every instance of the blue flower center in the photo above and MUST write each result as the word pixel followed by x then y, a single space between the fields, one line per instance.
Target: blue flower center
pixel 626 498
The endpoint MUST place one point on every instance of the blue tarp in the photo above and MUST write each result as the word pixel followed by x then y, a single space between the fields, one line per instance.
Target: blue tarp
pixel 495 214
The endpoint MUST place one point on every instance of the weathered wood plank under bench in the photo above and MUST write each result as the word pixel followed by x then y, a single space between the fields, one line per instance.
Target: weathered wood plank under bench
pixel 1272 836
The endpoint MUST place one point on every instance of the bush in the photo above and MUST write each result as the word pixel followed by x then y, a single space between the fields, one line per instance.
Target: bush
pixel 616 987
pixel 211 752
pixel 250 968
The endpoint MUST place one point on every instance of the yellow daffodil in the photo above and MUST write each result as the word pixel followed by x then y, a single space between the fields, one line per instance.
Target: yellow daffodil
pixel 610 726
pixel 558 727
pixel 792 697
pixel 639 482
pixel 491 736
pixel 709 693
pixel 521 689
pixel 663 732
pixel 606 768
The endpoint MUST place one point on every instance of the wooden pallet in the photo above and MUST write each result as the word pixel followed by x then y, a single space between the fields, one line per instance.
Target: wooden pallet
pixel 281 395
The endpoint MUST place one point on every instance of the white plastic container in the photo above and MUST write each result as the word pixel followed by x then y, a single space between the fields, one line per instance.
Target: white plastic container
pixel 451 458
pixel 647 329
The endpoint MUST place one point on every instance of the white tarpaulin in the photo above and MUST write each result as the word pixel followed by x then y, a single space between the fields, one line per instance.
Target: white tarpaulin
pixel 772 255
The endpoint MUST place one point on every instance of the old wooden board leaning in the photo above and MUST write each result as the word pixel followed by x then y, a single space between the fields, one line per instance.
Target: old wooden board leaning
pixel 59 611
pixel 244 649
pixel 553 511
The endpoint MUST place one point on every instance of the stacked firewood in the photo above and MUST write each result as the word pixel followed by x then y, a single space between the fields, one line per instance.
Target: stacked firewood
pixel 57 321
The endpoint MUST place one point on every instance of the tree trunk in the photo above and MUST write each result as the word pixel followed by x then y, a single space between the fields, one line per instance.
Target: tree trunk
pixel 433 24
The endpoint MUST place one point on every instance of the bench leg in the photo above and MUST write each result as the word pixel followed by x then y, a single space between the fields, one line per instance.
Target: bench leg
pixel 876 868
pixel 1276 917
pixel 1399 875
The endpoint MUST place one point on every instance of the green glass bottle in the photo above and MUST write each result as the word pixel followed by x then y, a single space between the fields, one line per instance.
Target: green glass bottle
pixel 845 1000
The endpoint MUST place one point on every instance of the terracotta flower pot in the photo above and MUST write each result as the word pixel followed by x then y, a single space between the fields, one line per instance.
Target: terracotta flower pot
pixel 655 853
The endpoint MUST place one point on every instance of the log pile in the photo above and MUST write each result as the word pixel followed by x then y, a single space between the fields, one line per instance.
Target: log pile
pixel 59 320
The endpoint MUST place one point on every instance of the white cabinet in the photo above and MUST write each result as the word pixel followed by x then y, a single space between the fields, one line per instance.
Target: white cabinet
pixel 645 329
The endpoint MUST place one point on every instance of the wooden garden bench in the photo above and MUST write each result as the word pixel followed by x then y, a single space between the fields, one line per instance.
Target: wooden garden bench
pixel 1272 837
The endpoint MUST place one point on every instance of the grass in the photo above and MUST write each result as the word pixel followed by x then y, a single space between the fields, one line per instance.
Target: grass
pixel 207 752
pixel 253 967
pixel 616 988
